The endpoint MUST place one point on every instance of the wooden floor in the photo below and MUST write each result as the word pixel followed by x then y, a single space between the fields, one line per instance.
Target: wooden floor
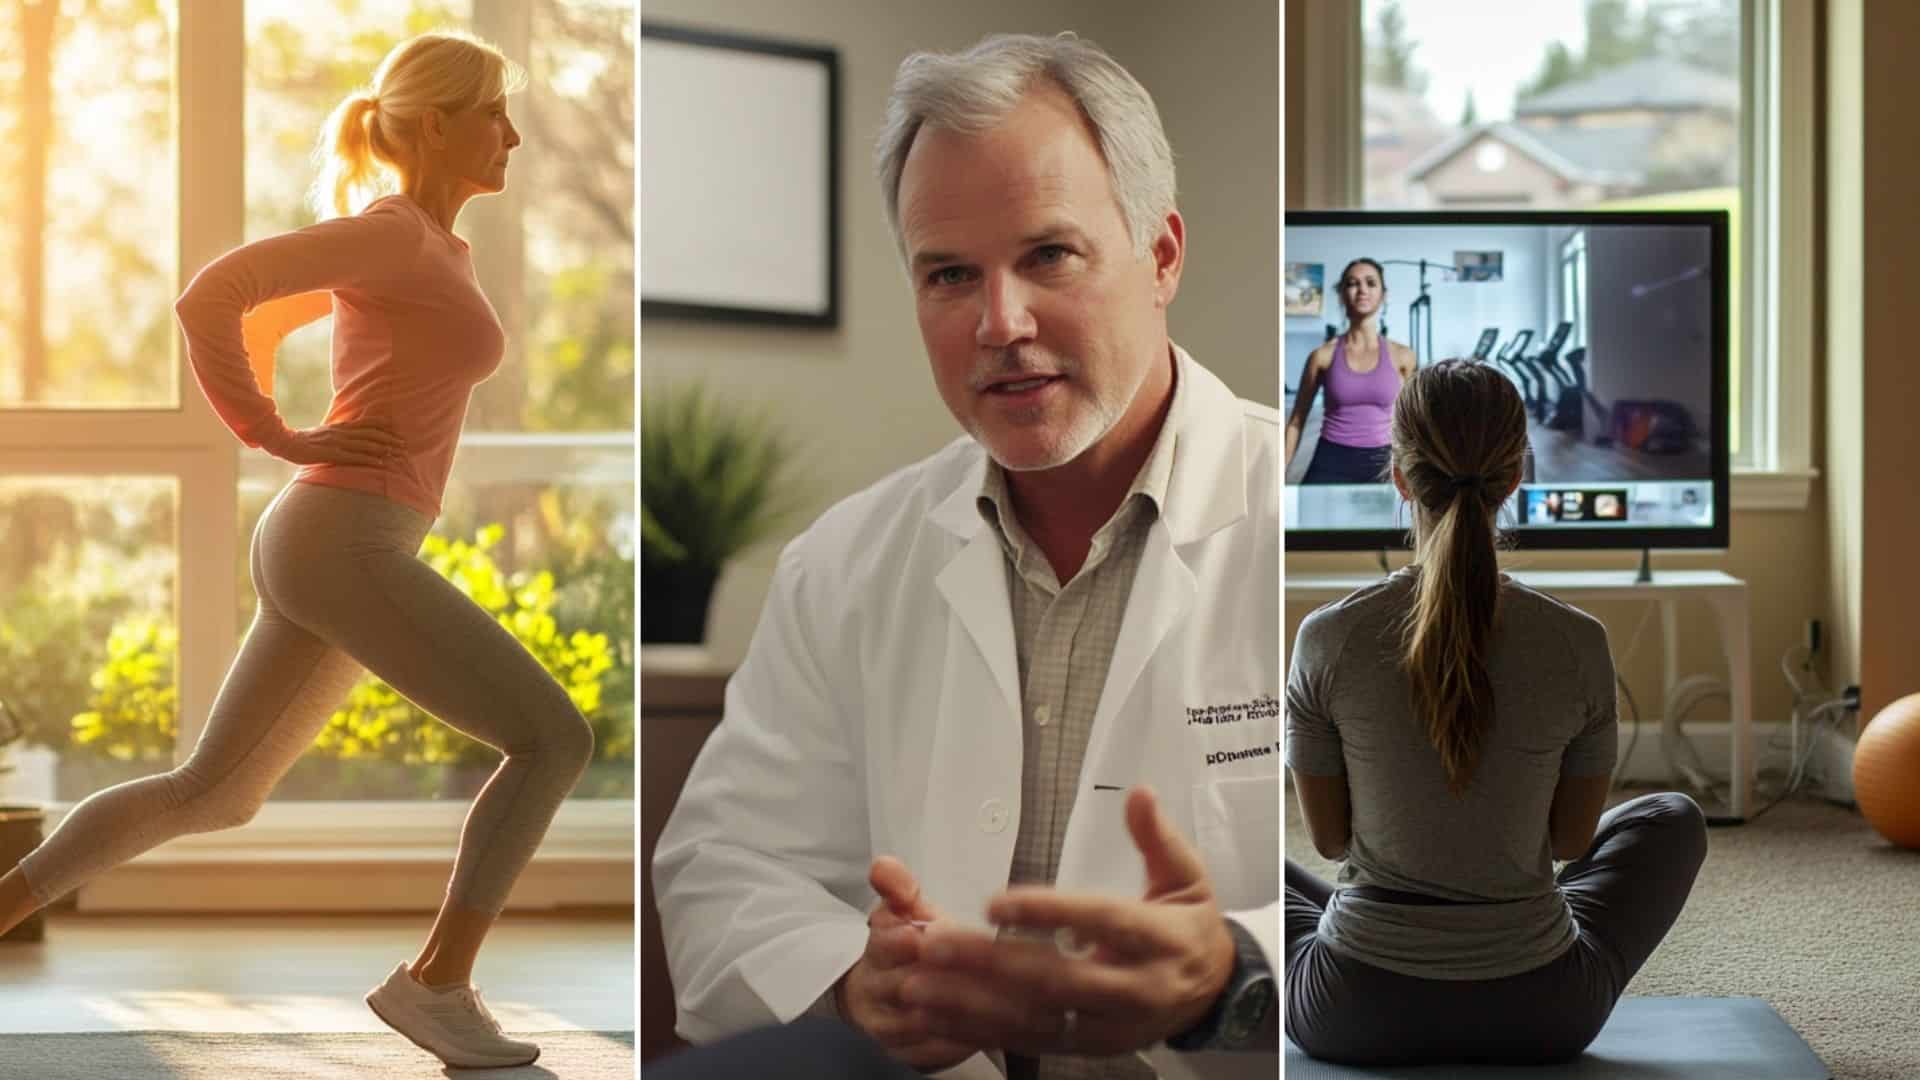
pixel 539 972
pixel 1560 458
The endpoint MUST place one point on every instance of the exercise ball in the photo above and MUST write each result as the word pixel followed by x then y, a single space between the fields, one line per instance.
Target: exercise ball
pixel 1886 772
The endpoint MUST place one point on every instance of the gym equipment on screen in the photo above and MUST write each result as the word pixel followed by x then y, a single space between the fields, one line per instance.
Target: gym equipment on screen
pixel 1612 325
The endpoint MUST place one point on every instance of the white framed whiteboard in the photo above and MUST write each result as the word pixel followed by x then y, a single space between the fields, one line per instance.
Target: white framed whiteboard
pixel 739 178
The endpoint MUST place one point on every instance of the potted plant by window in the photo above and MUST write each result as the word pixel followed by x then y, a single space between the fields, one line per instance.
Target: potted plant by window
pixel 21 829
pixel 713 482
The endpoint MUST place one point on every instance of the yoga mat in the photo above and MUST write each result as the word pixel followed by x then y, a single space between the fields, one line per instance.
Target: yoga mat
pixel 182 1055
pixel 1646 1038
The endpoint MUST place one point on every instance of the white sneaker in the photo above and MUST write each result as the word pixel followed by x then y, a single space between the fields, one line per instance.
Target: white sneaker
pixel 453 1025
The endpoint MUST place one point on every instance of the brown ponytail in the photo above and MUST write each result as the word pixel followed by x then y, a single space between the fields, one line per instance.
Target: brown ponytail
pixel 1459 443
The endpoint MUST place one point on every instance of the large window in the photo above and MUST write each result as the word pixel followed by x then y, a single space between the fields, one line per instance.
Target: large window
pixel 1594 104
pixel 89 538
pixel 1597 104
pixel 126 508
pixel 84 173
pixel 86 628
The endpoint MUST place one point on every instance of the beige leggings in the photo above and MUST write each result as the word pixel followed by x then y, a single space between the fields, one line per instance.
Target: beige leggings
pixel 342 589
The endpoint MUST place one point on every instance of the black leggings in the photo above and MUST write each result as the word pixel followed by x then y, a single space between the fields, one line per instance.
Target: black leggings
pixel 810 1048
pixel 1625 893
pixel 1338 463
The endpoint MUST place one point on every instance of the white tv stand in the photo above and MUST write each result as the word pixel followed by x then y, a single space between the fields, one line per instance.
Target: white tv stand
pixel 1725 594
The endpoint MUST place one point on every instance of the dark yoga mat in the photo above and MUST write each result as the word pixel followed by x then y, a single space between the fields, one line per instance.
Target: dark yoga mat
pixel 1646 1038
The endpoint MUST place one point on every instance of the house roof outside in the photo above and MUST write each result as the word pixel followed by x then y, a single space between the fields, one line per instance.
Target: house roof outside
pixel 1609 156
pixel 1657 84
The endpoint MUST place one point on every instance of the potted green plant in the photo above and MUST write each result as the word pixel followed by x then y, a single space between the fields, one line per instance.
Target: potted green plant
pixel 22 827
pixel 713 483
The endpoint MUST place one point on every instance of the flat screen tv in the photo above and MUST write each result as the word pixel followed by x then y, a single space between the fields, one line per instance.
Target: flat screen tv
pixel 1613 325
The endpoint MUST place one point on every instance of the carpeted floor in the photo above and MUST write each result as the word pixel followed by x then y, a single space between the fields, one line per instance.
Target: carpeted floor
pixel 1806 908
pixel 179 1055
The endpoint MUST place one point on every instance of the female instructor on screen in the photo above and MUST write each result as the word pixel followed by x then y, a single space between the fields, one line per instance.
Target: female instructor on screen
pixel 1363 372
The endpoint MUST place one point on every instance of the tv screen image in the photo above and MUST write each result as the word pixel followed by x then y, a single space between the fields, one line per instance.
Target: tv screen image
pixel 1612 326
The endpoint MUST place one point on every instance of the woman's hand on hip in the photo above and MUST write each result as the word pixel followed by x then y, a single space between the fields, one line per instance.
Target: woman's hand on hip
pixel 358 443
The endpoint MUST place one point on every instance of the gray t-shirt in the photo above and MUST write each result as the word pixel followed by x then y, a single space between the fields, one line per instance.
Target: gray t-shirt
pixel 1349 712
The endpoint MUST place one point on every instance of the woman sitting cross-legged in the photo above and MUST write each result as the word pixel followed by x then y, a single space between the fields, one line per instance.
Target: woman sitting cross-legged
pixel 1450 733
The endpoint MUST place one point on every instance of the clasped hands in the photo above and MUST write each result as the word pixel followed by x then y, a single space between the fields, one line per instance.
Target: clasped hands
pixel 1069 974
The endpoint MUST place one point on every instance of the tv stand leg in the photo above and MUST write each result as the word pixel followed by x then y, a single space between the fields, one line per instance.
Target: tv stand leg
pixel 1645 576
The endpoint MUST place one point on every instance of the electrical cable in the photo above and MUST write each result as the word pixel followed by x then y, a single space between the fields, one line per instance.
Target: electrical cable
pixel 1800 692
pixel 1796 773
pixel 1687 694
pixel 1682 699
pixel 1633 736
pixel 1684 757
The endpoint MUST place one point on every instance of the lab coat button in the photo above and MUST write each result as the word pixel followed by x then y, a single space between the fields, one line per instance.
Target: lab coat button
pixel 1043 716
pixel 993 816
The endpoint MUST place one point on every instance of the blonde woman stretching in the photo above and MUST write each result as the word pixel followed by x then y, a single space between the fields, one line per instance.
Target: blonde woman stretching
pixel 334 558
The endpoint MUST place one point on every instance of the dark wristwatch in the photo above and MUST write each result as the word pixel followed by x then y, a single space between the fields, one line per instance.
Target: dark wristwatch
pixel 1241 1009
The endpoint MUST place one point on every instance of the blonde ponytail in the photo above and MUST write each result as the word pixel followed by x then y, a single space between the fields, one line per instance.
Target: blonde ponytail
pixel 366 144
pixel 352 171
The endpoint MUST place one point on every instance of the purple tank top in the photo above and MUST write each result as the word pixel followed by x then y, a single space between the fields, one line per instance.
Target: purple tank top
pixel 1359 410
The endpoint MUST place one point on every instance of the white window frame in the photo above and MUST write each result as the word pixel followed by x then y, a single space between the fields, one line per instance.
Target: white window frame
pixel 1573 286
pixel 1777 180
pixel 190 445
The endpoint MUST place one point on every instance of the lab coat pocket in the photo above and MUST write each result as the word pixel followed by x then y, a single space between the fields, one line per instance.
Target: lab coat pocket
pixel 1236 824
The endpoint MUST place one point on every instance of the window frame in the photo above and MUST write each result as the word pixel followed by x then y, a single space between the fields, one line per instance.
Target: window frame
pixel 190 445
pixel 1573 286
pixel 1775 470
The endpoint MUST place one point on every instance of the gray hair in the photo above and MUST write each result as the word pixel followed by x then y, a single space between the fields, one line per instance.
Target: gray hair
pixel 974 90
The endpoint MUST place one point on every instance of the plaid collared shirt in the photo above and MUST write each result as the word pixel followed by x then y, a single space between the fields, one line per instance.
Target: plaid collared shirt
pixel 1064 637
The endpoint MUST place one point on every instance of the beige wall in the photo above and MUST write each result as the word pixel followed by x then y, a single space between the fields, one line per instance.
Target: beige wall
pixel 860 397
pixel 1890 376
pixel 1872 383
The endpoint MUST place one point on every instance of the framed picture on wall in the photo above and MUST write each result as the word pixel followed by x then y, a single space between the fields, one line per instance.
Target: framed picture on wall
pixel 739 178
pixel 1479 265
pixel 1305 288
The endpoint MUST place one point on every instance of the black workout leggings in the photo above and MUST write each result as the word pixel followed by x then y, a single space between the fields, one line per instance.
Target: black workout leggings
pixel 1625 893
pixel 1338 463
pixel 810 1048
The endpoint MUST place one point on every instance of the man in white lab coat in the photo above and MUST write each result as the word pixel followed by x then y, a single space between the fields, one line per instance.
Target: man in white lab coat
pixel 998 783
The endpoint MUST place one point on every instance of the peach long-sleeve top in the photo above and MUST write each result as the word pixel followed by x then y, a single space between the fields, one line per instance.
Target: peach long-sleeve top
pixel 412 336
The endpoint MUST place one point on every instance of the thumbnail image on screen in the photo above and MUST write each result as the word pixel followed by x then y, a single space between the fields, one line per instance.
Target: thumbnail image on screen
pixel 1606 329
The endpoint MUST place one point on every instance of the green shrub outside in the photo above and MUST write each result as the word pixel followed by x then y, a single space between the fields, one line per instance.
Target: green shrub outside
pixel 379 744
